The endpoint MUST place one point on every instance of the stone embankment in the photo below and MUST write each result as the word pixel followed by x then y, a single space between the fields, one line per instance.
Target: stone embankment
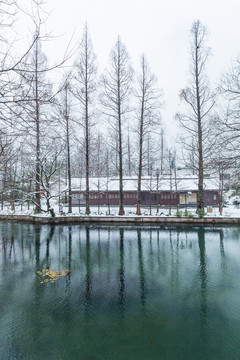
pixel 121 219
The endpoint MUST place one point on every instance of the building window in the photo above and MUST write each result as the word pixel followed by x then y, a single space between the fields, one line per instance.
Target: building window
pixel 214 197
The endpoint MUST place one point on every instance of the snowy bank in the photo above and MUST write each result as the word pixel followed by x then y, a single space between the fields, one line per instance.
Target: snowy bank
pixel 161 220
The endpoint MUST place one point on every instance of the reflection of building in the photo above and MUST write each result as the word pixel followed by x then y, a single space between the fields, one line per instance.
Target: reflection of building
pixel 161 191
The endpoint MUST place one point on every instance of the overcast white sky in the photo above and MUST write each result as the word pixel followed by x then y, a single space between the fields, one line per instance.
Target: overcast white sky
pixel 160 29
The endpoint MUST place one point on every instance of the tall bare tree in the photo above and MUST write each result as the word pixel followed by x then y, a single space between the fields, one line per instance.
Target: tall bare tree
pixel 34 105
pixel 85 87
pixel 148 116
pixel 228 120
pixel 49 165
pixel 199 102
pixel 115 99
pixel 65 131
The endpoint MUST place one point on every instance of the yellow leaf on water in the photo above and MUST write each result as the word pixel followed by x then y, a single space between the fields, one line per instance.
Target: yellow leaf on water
pixel 52 275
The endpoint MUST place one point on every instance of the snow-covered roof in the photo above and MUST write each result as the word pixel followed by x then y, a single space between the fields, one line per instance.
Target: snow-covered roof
pixel 148 183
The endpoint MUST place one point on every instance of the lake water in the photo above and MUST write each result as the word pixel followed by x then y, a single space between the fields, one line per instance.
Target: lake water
pixel 119 292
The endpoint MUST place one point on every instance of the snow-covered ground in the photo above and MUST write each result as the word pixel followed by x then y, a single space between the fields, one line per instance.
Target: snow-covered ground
pixel 228 211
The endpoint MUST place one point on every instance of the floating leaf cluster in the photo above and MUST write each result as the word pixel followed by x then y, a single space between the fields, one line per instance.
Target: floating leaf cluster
pixel 47 275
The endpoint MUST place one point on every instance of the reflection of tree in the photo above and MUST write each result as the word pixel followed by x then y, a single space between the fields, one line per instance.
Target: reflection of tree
pixel 203 276
pixel 68 293
pixel 88 280
pixel 8 244
pixel 37 247
pixel 174 249
pixel 38 293
pixel 69 250
pixel 108 255
pixel 49 238
pixel 172 257
pixel 12 247
pixel 99 250
pixel 4 249
pixel 121 295
pixel 222 251
pixel 151 257
pixel 22 243
pixel 161 255
pixel 87 293
pixel 141 268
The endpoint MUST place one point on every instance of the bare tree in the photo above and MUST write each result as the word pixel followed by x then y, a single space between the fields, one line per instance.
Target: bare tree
pixel 107 173
pixel 85 87
pixel 99 165
pixel 65 131
pixel 129 154
pixel 24 89
pixel 35 96
pixel 48 168
pixel 34 100
pixel 162 150
pixel 115 100
pixel 228 120
pixel 199 102
pixel 148 117
pixel 8 167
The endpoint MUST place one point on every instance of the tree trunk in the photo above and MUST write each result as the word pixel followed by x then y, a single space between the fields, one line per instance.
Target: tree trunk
pixel 68 152
pixel 140 164
pixel 87 147
pixel 37 119
pixel 200 204
pixel 69 173
pixel 37 175
pixel 121 208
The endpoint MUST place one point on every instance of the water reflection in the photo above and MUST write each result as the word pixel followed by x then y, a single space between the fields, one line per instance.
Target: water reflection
pixel 222 250
pixel 88 281
pixel 138 283
pixel 203 276
pixel 141 269
pixel 121 295
pixel 49 238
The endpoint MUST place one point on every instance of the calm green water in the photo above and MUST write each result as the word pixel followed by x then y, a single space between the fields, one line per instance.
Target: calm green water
pixel 132 293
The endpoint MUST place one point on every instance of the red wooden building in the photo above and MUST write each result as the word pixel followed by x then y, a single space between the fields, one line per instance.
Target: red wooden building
pixel 154 192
